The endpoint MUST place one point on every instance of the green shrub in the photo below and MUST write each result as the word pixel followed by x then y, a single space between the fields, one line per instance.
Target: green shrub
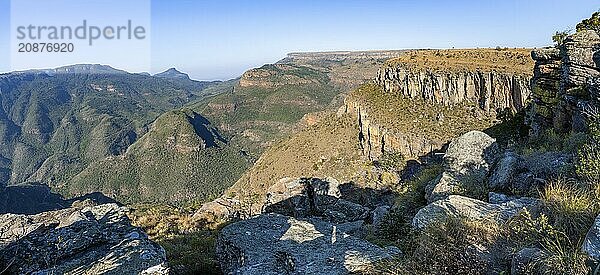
pixel 588 165
pixel 551 141
pixel 392 162
pixel 526 231
pixel 559 37
pixel 396 228
pixel 561 260
pixel 411 194
pixel 189 243
pixel 592 23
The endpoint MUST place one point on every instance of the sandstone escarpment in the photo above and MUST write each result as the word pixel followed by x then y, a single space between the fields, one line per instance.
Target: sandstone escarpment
pixel 495 80
pixel 278 75
pixel 412 127
pixel 564 83
pixel 376 139
pixel 427 97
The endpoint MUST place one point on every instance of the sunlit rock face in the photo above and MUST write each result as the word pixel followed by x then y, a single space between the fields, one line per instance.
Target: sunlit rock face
pixel 565 83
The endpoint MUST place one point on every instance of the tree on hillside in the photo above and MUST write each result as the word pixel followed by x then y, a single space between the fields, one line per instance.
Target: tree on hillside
pixel 592 23
pixel 560 36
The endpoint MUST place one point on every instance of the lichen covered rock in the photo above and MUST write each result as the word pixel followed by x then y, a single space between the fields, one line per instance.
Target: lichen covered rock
pixel 470 209
pixel 468 158
pixel 276 244
pixel 79 240
pixel 591 244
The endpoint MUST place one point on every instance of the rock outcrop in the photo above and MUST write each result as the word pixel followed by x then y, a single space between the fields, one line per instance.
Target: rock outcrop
pixel 441 77
pixel 460 207
pixel 377 139
pixel 218 211
pixel 564 83
pixel 591 244
pixel 306 226
pixel 303 198
pixel 79 240
pixel 276 244
pixel 469 158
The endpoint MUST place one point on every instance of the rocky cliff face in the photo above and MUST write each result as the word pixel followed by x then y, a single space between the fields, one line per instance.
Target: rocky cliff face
pixel 565 83
pixel 452 77
pixel 378 139
pixel 483 81
pixel 491 91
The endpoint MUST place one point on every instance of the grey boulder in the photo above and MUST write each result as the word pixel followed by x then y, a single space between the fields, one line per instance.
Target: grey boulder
pixel 308 197
pixel 468 158
pixel 591 243
pixel 522 261
pixel 455 206
pixel 276 244
pixel 506 169
pixel 85 240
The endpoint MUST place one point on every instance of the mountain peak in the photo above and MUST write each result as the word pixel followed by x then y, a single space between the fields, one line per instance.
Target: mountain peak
pixel 172 73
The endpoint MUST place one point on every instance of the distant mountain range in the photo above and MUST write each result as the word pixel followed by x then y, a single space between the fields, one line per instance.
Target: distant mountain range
pixel 171 73
pixel 55 122
pixel 163 138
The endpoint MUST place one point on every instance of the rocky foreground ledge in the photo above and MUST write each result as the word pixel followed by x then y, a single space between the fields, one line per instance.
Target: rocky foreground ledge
pixel 277 244
pixel 308 226
pixel 83 239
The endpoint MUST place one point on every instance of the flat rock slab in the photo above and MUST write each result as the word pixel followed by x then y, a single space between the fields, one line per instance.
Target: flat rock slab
pixel 277 244
pixel 88 240
pixel 471 209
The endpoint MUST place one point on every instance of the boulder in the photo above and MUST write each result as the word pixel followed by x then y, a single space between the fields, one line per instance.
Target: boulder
pixel 521 262
pixel 469 157
pixel 525 183
pixel 548 164
pixel 506 169
pixel 442 187
pixel 302 198
pixel 473 152
pixel 378 215
pixel 88 240
pixel 455 206
pixel 276 244
pixel 218 211
pixel 498 198
pixel 591 243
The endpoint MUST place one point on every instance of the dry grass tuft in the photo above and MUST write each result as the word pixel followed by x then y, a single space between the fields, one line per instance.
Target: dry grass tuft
pixel 572 206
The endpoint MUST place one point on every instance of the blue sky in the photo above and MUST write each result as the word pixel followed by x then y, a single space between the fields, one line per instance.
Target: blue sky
pixel 222 39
